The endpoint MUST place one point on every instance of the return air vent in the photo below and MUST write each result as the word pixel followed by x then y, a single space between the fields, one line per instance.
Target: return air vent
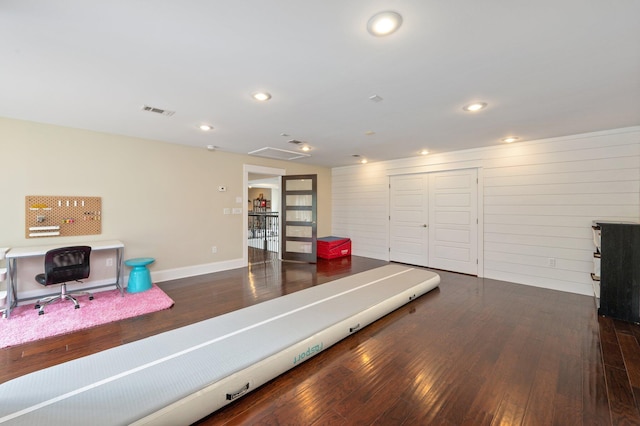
pixel 280 154
pixel 295 142
pixel 157 110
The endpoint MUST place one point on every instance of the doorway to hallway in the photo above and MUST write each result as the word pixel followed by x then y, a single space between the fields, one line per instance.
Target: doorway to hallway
pixel 263 218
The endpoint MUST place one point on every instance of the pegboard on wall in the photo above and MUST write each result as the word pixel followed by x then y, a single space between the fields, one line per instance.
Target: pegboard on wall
pixel 61 216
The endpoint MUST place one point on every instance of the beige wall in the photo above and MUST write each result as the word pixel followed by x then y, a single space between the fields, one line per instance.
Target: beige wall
pixel 160 199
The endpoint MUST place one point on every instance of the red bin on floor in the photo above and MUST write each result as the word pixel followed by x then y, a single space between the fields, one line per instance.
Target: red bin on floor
pixel 333 247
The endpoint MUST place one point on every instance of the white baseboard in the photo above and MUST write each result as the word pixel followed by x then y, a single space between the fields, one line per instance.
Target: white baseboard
pixel 156 277
pixel 194 270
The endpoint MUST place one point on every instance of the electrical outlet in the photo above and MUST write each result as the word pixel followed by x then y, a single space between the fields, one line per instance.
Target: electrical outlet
pixel 110 261
pixel 552 262
pixel 214 249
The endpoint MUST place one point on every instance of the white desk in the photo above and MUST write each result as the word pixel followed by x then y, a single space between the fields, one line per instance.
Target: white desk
pixel 16 253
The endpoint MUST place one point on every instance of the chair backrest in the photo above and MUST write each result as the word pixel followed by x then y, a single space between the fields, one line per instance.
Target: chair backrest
pixel 66 264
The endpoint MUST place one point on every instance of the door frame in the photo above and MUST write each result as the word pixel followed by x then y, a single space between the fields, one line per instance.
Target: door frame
pixel 246 169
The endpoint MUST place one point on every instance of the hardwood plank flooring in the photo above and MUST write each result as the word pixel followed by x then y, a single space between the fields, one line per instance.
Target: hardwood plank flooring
pixel 472 352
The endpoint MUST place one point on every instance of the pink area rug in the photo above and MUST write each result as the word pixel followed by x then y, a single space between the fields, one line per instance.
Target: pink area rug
pixel 25 325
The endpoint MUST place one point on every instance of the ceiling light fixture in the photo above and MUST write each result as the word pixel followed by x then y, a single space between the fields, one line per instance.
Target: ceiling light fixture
pixel 261 96
pixel 363 161
pixel 476 106
pixel 424 152
pixel 205 127
pixel 211 147
pixel 384 23
pixel 510 139
pixel 306 148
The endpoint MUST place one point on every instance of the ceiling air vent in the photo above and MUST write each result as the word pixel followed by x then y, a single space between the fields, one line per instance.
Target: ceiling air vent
pixel 295 142
pixel 158 110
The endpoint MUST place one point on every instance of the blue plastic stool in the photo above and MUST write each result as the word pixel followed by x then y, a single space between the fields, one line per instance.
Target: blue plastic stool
pixel 139 278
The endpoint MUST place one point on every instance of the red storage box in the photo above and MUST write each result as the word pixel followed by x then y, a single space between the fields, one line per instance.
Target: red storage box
pixel 333 247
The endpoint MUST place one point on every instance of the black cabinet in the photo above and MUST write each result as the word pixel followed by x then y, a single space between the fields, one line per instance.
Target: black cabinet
pixel 619 270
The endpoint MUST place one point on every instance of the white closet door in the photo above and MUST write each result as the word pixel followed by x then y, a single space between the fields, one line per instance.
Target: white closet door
pixel 453 228
pixel 409 219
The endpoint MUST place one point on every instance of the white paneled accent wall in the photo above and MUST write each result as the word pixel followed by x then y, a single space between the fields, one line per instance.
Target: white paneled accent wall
pixel 536 203
pixel 360 204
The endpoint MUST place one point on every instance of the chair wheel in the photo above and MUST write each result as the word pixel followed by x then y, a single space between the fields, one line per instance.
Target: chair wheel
pixel 41 313
pixel 36 307
pixel 77 307
pixel 90 297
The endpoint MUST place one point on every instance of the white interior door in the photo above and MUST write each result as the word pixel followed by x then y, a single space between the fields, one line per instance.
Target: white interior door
pixel 453 210
pixel 433 220
pixel 409 219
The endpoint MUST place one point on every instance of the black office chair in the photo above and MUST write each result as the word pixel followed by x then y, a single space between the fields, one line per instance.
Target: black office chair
pixel 62 265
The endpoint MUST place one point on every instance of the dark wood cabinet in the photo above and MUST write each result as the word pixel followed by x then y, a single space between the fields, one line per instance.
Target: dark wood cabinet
pixel 620 270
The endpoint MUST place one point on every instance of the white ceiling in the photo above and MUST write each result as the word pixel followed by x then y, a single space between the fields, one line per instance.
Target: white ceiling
pixel 545 67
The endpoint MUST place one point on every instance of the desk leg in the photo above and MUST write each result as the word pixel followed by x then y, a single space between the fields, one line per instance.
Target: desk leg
pixel 11 287
pixel 119 260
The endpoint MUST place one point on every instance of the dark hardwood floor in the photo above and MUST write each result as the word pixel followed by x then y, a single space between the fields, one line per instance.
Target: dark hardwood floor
pixel 261 256
pixel 472 352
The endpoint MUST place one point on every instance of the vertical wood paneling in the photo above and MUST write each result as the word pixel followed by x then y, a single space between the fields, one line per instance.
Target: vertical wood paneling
pixel 538 201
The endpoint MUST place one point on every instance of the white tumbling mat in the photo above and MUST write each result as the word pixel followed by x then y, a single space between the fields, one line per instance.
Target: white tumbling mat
pixel 182 375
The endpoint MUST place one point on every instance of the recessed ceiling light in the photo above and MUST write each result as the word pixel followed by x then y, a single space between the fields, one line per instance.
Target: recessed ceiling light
pixel 369 133
pixel 384 23
pixel 261 96
pixel 510 139
pixel 476 106
pixel 363 161
pixel 306 148
pixel 205 127
pixel 424 152
pixel 211 147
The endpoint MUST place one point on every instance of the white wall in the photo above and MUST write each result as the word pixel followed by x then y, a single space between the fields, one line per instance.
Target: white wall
pixel 537 202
